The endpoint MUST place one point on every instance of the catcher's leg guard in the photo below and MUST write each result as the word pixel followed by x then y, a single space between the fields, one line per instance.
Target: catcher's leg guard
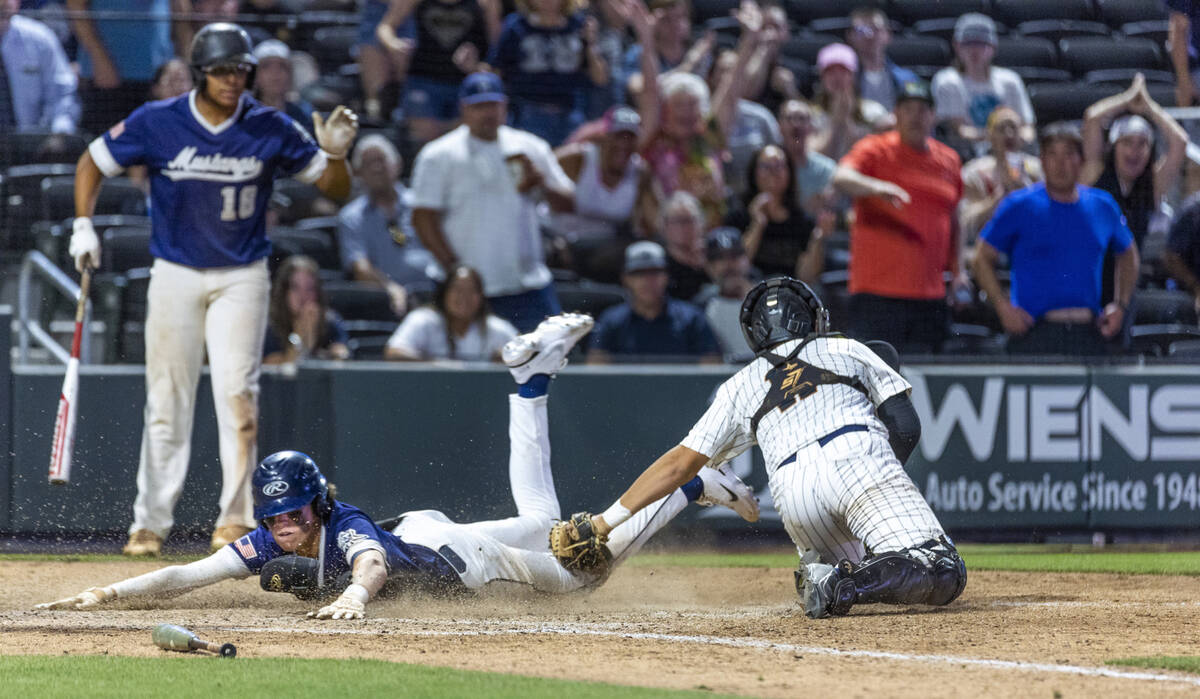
pixel 932 573
pixel 298 575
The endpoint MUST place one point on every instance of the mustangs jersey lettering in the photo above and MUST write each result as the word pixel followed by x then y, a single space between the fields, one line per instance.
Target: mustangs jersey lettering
pixel 831 382
pixel 348 533
pixel 209 185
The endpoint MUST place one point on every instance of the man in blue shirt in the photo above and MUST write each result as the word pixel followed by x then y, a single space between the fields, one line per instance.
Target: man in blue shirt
pixel 651 325
pixel 339 549
pixel 41 85
pixel 1055 235
pixel 213 155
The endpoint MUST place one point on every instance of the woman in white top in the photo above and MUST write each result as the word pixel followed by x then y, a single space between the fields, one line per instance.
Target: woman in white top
pixel 459 324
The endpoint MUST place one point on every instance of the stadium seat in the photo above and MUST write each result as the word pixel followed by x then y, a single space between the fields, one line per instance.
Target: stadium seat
pixel 53 238
pixel 1034 74
pixel 294 200
pixel 118 196
pixel 919 51
pixel 1155 30
pixel 1124 76
pixel 1156 340
pixel 804 11
pixel 1163 306
pixel 806 46
pixel 40 147
pixel 316 244
pixel 912 11
pixel 1117 13
pixel 1013 12
pixel 705 10
pixel 331 46
pixel 1026 51
pixel 325 224
pixel 943 28
pixel 20 197
pixel 1083 54
pixel 1065 101
pixel 1184 349
pixel 130 342
pixel 125 248
pixel 1056 29
pixel 588 297
pixel 830 25
pixel 359 301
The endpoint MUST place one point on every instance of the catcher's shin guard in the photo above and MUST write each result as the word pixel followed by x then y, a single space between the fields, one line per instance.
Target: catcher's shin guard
pixel 932 573
pixel 298 575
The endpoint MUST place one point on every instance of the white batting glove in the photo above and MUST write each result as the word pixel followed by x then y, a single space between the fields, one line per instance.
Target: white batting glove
pixel 351 605
pixel 85 245
pixel 91 597
pixel 336 134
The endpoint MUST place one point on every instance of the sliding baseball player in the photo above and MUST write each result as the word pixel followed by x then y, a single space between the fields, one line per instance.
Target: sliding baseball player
pixel 310 544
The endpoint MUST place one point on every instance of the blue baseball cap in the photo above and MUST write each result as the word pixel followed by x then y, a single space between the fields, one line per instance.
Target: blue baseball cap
pixel 481 87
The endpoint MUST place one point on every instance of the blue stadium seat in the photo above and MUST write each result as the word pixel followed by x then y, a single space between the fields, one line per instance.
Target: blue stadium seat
pixel 806 46
pixel 1124 76
pixel 20 201
pixel 1118 13
pixel 125 248
pixel 1026 51
pixel 1056 29
pixel 359 301
pixel 804 11
pixel 1013 12
pixel 919 51
pixel 1036 74
pixel 1082 54
pixel 912 11
pixel 1065 101
pixel 331 46
pixel 1153 29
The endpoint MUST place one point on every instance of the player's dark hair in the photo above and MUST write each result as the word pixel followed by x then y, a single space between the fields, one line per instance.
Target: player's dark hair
pixel 279 314
pixel 461 271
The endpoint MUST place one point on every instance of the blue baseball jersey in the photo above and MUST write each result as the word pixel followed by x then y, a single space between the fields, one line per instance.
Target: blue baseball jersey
pixel 348 533
pixel 542 64
pixel 209 185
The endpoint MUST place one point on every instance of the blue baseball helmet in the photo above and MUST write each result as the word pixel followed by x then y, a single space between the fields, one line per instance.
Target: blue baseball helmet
pixel 286 481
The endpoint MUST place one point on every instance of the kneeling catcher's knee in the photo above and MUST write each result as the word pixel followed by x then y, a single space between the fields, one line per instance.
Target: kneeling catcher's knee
pixel 298 575
pixel 932 573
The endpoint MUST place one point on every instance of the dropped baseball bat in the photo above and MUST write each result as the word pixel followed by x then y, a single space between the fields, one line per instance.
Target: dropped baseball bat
pixel 64 421
pixel 172 637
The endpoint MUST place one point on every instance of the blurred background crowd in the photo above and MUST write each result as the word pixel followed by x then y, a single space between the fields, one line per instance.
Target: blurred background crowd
pixel 929 166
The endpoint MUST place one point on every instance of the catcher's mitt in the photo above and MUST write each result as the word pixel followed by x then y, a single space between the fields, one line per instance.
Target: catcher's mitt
pixel 578 547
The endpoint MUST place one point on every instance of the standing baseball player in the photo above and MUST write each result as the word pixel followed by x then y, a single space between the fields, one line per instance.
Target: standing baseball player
pixel 340 550
pixel 213 155
pixel 835 424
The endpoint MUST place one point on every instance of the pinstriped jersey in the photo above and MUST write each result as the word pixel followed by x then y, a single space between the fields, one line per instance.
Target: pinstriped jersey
pixel 801 407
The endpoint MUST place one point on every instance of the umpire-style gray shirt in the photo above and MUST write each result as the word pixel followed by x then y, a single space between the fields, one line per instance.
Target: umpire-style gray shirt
pixel 387 240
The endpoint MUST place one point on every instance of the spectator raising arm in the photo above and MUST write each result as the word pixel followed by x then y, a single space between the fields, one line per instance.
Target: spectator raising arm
pixel 1135 100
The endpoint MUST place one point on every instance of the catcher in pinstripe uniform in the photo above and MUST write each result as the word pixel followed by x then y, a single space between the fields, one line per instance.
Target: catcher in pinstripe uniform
pixel 835 425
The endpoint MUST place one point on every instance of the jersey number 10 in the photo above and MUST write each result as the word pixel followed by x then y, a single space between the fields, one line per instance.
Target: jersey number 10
pixel 238 204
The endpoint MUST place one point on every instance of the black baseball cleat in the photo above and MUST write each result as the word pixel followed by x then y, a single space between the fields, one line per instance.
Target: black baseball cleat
pixel 824 590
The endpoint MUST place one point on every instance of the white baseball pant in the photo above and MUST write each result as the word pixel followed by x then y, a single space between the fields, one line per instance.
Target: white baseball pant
pixel 517 549
pixel 852 493
pixel 223 310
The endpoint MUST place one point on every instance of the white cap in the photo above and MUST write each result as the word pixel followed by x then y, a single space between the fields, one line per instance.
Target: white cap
pixel 272 48
pixel 1130 125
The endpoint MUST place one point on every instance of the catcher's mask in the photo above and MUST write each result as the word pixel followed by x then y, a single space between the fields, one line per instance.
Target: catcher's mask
pixel 781 309
pixel 221 43
pixel 286 481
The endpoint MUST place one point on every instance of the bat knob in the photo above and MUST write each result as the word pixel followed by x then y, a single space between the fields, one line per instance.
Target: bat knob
pixel 228 651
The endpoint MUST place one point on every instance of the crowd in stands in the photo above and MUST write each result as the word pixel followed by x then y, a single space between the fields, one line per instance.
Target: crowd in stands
pixel 648 160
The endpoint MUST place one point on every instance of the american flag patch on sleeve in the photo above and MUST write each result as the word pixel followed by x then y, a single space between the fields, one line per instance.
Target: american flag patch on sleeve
pixel 116 131
pixel 245 548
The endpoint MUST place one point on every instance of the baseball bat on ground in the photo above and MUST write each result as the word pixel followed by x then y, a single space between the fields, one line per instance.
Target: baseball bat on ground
pixel 172 637
pixel 64 422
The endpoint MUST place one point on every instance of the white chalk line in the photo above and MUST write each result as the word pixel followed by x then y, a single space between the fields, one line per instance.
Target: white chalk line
pixel 568 629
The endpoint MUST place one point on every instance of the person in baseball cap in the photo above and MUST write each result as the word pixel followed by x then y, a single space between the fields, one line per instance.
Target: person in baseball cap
pixel 483 104
pixel 975 28
pixel 480 87
pixel 845 117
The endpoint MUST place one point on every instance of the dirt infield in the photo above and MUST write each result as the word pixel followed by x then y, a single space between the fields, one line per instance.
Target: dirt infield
pixel 736 630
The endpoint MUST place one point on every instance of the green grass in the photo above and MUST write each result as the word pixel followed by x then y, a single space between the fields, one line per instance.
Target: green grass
pixel 193 675
pixel 1187 663
pixel 1006 557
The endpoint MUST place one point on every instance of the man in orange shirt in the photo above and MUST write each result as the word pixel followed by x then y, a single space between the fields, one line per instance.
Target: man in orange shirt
pixel 905 233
